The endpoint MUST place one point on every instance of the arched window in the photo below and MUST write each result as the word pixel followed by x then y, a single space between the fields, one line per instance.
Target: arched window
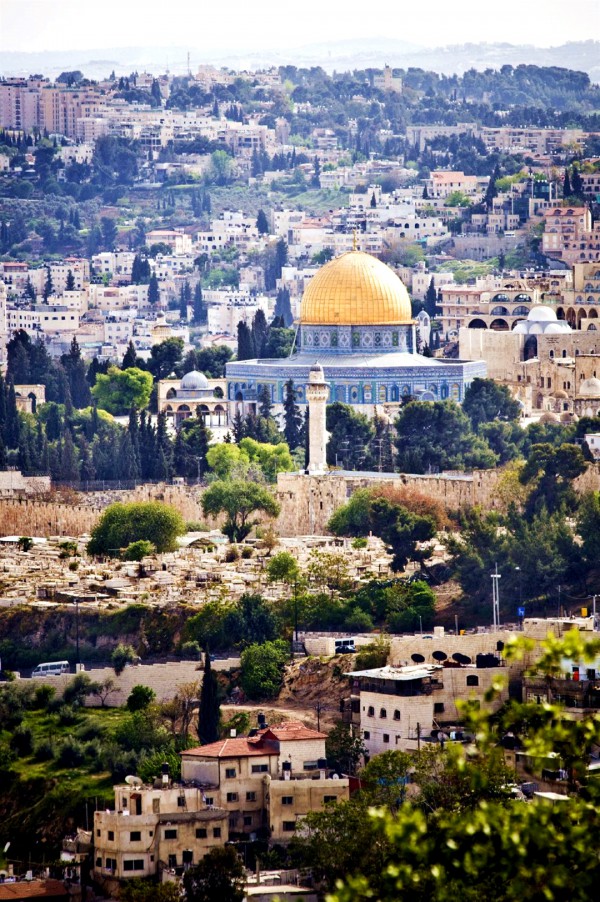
pixel 499 311
pixel 383 714
pixel 396 714
pixel 371 711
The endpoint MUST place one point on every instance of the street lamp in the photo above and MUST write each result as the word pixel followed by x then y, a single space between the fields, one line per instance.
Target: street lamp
pixel 519 571
pixel 496 598
pixel 78 661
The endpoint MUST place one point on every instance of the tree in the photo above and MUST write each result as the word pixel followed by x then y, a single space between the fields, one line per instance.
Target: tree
pixel 153 290
pixel 431 299
pixel 349 435
pixel 119 390
pixel 165 357
pixel 588 527
pixel 121 657
pixel 209 715
pixel 283 567
pixel 245 342
pixel 550 471
pixel 140 698
pixel 262 669
pixel 344 750
pixel 239 500
pixel 122 524
pixel 219 877
pixel 486 400
pixel 262 223
pixel 292 417
pixel 437 435
pixel 199 313
pixel 130 357
pixel 384 778
pixel 139 890
pixel 109 232
pixel 48 285
pixel 70 283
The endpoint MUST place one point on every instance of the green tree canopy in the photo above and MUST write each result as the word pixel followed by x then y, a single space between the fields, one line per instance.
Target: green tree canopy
pixel 119 390
pixel 262 669
pixel 239 501
pixel 122 524
pixel 218 877
pixel 436 436
pixel 487 400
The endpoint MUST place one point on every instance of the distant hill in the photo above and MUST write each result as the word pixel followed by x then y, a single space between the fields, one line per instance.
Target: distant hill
pixel 583 56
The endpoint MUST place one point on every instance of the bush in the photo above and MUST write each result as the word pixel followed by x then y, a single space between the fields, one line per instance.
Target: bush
pixel 140 698
pixel 25 543
pixel 77 689
pixel 21 741
pixel 232 554
pixel 247 552
pixel 138 550
pixel 74 565
pixel 373 655
pixel 190 651
pixel 43 695
pixel 359 542
pixel 122 656
pixel 71 753
pixel 359 621
pixel 196 526
pixel 67 715
pixel 123 524
pixel 44 750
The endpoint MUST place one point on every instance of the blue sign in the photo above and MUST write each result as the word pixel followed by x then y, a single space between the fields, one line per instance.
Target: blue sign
pixel 520 612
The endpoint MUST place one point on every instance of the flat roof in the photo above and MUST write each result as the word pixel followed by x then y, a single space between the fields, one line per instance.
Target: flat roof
pixel 398 674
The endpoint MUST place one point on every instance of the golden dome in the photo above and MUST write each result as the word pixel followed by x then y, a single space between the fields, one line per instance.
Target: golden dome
pixel 355 289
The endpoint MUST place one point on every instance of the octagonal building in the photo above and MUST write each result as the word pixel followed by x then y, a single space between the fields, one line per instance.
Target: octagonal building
pixel 356 322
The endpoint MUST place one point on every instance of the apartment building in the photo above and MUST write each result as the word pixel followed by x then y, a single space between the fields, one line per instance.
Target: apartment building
pixel 267 782
pixel 153 828
pixel 176 239
pixel 442 183
pixel 570 236
pixel 398 707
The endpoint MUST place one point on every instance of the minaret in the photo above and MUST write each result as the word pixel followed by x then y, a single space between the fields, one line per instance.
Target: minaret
pixel 317 392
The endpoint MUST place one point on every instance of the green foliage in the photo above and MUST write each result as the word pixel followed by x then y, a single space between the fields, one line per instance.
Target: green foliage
pixel 219 876
pixel 140 698
pixel 239 500
pixel 122 524
pixel 77 689
pixel 486 400
pixel 119 390
pixel 21 741
pixel 121 657
pixel 150 765
pixel 437 435
pixel 135 551
pixel 550 472
pixel 344 750
pixel 25 543
pixel 283 567
pixel 262 669
pixel 71 753
pixel 375 654
pixel 272 459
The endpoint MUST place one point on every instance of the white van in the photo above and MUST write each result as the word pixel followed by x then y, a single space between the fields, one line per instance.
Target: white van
pixel 54 668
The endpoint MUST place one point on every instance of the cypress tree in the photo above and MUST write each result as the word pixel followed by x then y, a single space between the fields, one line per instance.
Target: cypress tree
pixel 260 333
pixel 209 714
pixel 199 306
pixel 3 458
pixel 69 459
pixel 87 470
pixel 70 284
pixel 262 223
pixel 292 417
pixel 153 290
pixel 576 182
pixel 283 307
pixel 264 402
pixel 48 285
pixel 127 465
pixel 431 299
pixel 12 423
pixel 238 427
pixel 567 192
pixel 245 342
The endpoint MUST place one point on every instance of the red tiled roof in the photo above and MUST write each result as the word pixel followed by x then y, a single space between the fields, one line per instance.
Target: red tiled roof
pixel 262 744
pixel 290 731
pixel 34 889
pixel 241 747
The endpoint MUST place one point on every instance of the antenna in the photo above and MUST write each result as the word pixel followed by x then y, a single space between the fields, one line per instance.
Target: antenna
pixel 496 598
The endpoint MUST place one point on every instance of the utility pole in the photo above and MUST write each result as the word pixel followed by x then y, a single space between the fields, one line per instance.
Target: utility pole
pixel 496 599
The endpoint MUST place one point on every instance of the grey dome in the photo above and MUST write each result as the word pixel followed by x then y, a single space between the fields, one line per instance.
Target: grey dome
pixel 193 381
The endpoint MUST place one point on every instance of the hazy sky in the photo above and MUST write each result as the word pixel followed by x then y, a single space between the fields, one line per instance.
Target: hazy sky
pixel 249 25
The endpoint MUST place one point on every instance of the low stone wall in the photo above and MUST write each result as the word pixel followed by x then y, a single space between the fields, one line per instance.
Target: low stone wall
pixel 24 517
pixel 164 679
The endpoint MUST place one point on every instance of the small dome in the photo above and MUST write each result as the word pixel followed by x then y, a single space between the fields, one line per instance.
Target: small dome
pixel 521 329
pixel 590 388
pixel 549 418
pixel 193 381
pixel 540 313
pixel 355 289
pixel 559 393
pixel 535 329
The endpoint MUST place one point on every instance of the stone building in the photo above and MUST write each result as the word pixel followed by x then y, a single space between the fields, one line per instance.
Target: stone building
pixel 193 395
pixel 268 781
pixel 154 828
pixel 356 322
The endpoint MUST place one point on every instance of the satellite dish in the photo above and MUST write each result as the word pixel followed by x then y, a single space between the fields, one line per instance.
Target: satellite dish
pixel 133 781
pixel 439 655
pixel 418 659
pixel 7 847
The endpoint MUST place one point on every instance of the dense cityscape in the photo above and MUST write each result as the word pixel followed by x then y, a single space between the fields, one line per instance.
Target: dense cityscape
pixel 300 482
